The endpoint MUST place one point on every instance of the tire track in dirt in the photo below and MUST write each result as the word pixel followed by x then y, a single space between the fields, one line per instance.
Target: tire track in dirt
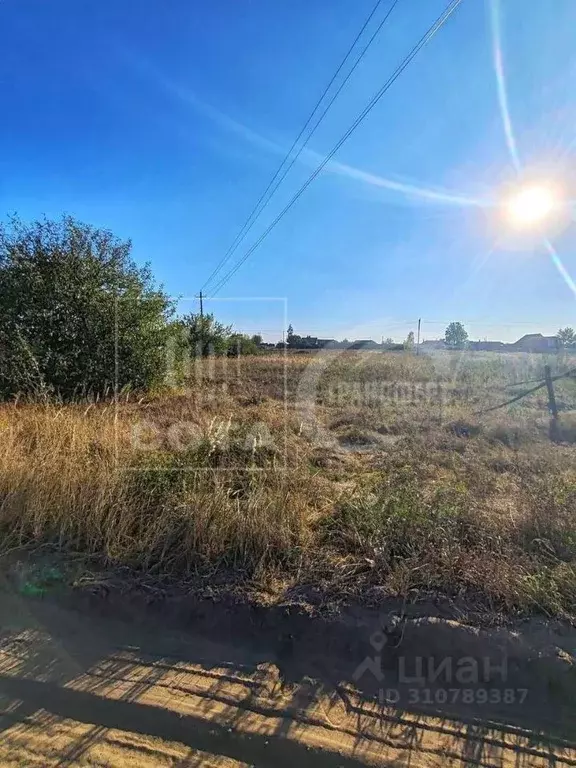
pixel 76 689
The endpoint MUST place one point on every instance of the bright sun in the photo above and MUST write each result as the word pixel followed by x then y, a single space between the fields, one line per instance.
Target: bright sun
pixel 530 206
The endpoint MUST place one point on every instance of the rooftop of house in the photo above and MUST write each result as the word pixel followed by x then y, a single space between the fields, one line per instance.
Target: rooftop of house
pixel 532 336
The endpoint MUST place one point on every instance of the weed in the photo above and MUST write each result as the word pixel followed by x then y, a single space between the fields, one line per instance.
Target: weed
pixel 226 480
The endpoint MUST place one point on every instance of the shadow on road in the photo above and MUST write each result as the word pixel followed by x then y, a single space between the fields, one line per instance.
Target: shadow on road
pixel 253 702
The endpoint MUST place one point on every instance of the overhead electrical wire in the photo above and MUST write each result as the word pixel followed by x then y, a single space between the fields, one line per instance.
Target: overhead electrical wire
pixel 440 21
pixel 270 190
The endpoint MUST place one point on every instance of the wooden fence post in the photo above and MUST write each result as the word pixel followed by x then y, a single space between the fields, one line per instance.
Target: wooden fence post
pixel 551 397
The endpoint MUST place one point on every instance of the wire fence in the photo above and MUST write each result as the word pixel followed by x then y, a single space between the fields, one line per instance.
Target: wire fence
pixel 547 382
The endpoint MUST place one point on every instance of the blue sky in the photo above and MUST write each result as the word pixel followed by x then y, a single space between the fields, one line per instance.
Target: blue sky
pixel 164 123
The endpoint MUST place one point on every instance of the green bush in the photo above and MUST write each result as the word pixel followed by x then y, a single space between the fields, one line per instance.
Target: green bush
pixel 70 297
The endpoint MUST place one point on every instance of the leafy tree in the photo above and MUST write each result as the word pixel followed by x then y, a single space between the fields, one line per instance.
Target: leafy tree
pixel 455 336
pixel 257 339
pixel 409 342
pixel 70 296
pixel 566 337
pixel 206 335
pixel 293 340
pixel 198 335
pixel 239 343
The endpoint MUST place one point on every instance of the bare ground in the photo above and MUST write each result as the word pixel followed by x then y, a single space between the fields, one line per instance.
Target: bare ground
pixel 93 681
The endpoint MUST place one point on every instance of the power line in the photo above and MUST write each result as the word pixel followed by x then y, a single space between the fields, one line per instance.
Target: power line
pixel 272 187
pixel 371 104
pixel 479 321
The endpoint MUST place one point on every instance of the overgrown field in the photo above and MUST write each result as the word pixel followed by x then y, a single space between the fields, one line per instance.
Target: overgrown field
pixel 350 473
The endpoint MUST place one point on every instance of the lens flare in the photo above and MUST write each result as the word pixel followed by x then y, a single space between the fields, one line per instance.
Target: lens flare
pixel 557 261
pixel 530 206
pixel 496 25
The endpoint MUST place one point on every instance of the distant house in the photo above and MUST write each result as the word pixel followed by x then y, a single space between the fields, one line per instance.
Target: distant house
pixel 431 344
pixel 365 344
pixel 486 346
pixel 531 342
pixel 535 342
pixel 303 342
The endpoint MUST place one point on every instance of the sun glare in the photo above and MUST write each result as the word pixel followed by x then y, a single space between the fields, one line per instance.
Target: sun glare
pixel 530 206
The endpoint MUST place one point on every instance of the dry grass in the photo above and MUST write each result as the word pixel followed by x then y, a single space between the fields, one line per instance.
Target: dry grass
pixel 63 480
pixel 401 490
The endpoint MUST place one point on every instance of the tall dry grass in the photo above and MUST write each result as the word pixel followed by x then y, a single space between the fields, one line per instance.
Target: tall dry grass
pixel 68 476
pixel 397 498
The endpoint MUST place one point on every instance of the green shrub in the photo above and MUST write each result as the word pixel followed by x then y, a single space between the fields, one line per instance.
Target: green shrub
pixel 70 298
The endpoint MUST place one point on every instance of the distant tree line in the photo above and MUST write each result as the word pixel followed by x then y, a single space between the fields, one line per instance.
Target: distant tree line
pixel 456 337
pixel 295 341
pixel 78 316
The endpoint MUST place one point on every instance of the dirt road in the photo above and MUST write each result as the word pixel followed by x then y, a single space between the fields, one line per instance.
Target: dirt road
pixel 87 691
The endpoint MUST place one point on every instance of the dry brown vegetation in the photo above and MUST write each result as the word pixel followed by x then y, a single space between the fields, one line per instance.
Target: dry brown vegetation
pixel 388 485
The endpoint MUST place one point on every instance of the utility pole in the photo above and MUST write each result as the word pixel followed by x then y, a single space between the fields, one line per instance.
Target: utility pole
pixel 201 324
pixel 418 340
